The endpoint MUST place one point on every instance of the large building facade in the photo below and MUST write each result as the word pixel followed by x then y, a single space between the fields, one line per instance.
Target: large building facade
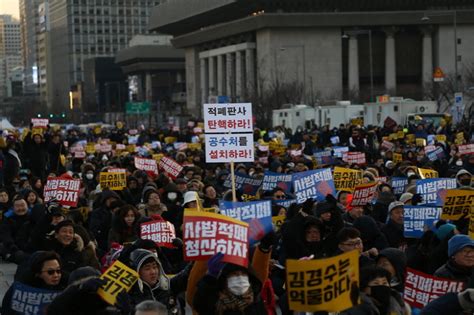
pixel 331 49
pixel 10 47
pixel 85 29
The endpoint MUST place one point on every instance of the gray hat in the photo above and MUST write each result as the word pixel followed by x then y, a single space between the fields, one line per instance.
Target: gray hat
pixel 395 204
pixel 406 197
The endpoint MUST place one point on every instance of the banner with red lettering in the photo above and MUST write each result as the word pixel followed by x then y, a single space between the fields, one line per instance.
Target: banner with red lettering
pixel 40 123
pixel 170 167
pixel 206 234
pixel 466 149
pixel 421 288
pixel 354 157
pixel 147 165
pixel 363 194
pixel 66 191
pixel 159 231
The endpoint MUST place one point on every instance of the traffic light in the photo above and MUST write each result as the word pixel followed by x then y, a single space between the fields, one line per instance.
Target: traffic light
pixel 63 115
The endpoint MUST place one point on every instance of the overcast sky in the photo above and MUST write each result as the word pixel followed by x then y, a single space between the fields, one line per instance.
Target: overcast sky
pixel 9 7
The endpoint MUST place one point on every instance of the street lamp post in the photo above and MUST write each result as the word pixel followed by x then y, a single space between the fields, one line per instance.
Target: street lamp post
pixel 453 14
pixel 371 66
pixel 282 48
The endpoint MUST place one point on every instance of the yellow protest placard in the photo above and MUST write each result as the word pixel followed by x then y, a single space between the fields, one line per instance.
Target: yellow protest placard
pixel 410 138
pixel 322 284
pixel 427 173
pixel 393 136
pixel 346 179
pixel 37 131
pixel 194 146
pixel 359 121
pixel 200 125
pixel 97 130
pixel 113 180
pixel 157 157
pixel 170 140
pixel 278 222
pixel 400 134
pixel 420 142
pixel 119 278
pixel 457 203
pixel 131 148
pixel 90 148
pixel 397 158
pixel 441 138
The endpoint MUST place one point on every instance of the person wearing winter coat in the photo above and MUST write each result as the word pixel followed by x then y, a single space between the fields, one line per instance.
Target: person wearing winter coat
pixel 461 259
pixel 370 233
pixel 394 261
pixel 67 245
pixel 348 240
pixel 393 230
pixel 36 153
pixel 15 232
pixel 100 220
pixel 153 283
pixel 451 303
pixel 125 225
pixel 376 295
pixel 81 298
pixel 43 272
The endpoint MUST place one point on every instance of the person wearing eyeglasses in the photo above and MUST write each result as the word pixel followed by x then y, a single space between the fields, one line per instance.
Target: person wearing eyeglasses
pixel 278 194
pixel 43 271
pixel 461 259
pixel 348 240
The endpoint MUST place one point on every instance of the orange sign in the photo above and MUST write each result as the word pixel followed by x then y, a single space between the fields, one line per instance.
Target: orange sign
pixel 438 75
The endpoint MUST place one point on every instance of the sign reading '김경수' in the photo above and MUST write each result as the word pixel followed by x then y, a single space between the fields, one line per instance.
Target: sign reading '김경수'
pixel 322 284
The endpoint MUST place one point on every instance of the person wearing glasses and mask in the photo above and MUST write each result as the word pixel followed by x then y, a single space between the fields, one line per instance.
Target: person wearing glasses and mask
pixel 43 272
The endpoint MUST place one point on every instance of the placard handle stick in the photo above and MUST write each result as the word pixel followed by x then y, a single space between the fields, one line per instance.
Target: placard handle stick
pixel 232 177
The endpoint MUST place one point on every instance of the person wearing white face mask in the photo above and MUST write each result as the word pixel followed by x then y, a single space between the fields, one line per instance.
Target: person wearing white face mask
pixel 228 289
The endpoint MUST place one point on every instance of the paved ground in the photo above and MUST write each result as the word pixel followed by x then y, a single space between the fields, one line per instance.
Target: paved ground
pixel 7 271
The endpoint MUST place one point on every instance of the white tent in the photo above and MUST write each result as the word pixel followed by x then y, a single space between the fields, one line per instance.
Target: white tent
pixel 5 124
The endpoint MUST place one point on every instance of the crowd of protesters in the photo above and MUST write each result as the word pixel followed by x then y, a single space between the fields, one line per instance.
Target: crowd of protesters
pixel 67 249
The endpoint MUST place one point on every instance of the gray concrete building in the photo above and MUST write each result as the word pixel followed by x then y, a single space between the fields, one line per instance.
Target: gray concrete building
pixel 84 29
pixel 10 47
pixel 29 45
pixel 332 49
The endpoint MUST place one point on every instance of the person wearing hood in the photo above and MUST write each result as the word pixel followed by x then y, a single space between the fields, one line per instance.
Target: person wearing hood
pixel 228 289
pixel 134 190
pixel 154 284
pixel 377 297
pixel 100 219
pixel 81 298
pixel 464 179
pixel 461 259
pixel 393 230
pixel 152 201
pixel 394 261
pixel 43 272
pixel 36 152
pixel 330 215
pixel 88 177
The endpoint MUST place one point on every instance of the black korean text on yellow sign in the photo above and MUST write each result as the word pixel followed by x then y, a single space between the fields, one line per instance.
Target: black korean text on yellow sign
pixel 119 278
pixel 471 223
pixel 113 180
pixel 457 204
pixel 323 284
pixel 346 179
